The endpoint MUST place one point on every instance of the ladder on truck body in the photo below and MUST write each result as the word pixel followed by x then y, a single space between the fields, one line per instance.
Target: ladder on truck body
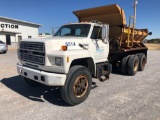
pixel 131 27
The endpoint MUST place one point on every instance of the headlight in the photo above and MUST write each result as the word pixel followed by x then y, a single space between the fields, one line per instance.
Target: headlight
pixel 58 61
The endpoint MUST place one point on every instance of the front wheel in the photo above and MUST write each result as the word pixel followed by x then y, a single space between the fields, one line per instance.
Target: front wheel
pixel 77 86
pixel 4 52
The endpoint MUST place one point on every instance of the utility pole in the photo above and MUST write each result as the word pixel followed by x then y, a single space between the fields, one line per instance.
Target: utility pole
pixel 134 18
pixel 135 14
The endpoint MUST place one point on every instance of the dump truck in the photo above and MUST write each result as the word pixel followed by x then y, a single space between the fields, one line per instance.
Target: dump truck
pixel 83 50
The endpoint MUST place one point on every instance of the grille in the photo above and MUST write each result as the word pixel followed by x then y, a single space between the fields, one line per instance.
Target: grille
pixel 32 46
pixel 33 52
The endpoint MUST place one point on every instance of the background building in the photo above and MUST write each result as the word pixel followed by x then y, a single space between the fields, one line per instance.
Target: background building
pixel 12 30
pixel 45 35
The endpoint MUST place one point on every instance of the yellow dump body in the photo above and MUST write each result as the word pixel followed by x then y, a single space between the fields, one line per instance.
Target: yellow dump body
pixel 115 17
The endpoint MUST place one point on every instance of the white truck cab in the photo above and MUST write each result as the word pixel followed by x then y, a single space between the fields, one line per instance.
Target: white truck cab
pixel 78 51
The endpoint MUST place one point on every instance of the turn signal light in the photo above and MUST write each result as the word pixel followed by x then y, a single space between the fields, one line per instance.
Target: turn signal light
pixel 64 48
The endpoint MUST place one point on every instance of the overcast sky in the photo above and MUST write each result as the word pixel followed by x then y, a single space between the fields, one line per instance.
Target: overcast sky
pixel 54 13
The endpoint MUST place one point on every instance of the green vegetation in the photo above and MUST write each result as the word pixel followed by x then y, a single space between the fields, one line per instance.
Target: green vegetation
pixel 156 41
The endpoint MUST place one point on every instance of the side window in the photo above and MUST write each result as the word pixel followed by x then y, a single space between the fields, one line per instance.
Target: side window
pixel 19 38
pixel 96 33
pixel 65 31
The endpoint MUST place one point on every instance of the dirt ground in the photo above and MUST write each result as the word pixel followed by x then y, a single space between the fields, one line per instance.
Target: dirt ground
pixel 122 97
pixel 152 46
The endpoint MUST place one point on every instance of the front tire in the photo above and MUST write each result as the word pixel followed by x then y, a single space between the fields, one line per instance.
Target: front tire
pixel 31 82
pixel 77 86
pixel 4 52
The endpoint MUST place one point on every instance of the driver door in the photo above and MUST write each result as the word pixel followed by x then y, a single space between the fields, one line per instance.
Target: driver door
pixel 97 48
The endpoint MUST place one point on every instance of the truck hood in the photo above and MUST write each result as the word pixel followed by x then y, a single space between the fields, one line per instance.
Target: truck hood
pixel 55 43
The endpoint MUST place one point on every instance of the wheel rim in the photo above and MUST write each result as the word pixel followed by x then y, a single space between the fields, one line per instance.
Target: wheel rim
pixel 136 65
pixel 80 86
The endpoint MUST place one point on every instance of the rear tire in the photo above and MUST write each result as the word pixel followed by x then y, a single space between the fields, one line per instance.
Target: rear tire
pixel 77 86
pixel 142 61
pixel 133 64
pixel 124 65
pixel 31 82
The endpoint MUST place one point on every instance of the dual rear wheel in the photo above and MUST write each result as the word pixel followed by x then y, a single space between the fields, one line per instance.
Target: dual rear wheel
pixel 133 63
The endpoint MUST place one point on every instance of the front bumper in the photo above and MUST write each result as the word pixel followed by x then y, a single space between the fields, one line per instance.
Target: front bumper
pixel 50 79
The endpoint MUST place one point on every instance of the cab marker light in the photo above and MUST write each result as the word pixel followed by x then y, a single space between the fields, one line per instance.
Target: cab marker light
pixel 67 59
pixel 64 48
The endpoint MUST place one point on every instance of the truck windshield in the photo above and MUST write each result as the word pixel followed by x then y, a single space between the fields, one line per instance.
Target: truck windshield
pixel 77 30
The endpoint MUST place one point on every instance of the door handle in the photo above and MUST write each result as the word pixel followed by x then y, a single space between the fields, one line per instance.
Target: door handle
pixel 85 46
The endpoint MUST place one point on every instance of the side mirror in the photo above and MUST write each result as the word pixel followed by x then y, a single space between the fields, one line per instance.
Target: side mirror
pixel 105 33
pixel 150 33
